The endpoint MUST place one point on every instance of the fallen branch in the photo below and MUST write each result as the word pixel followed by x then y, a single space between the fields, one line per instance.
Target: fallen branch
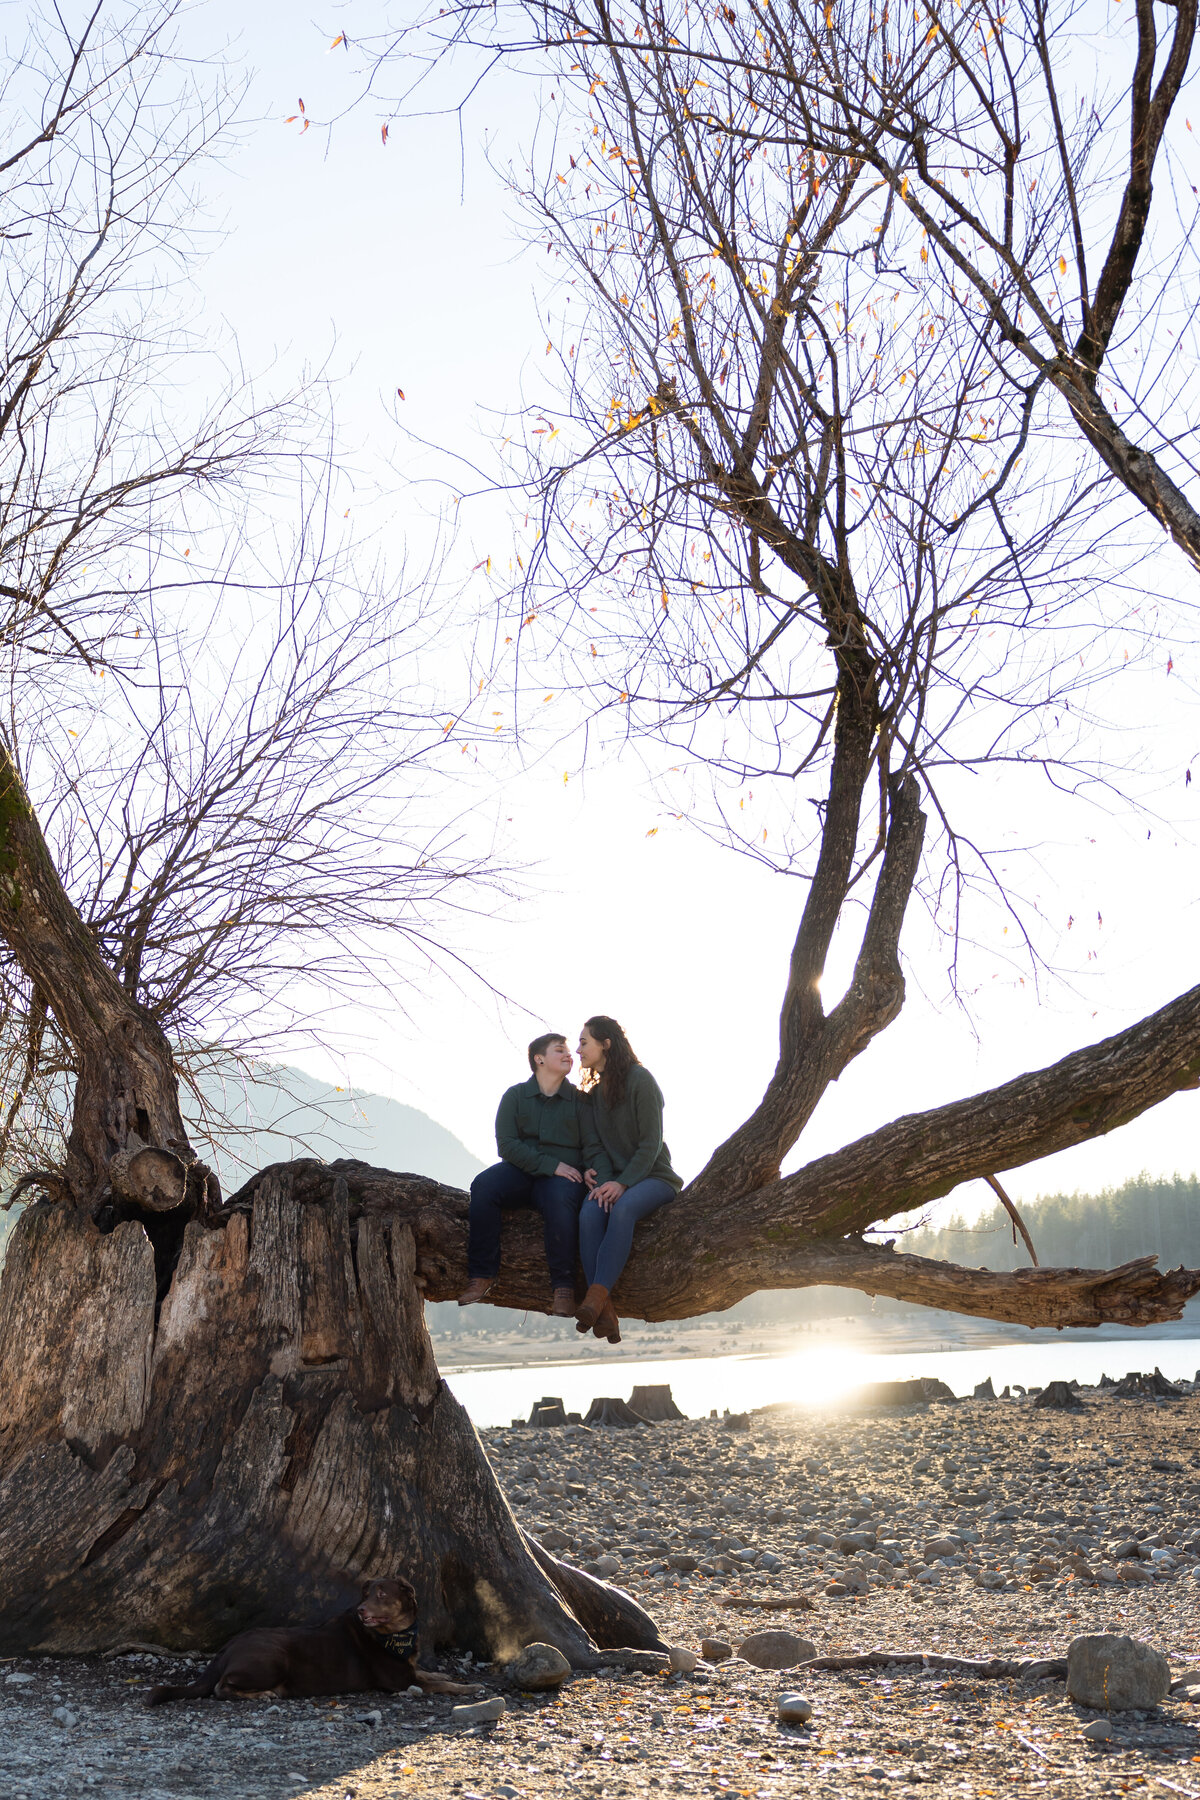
pixel 992 1668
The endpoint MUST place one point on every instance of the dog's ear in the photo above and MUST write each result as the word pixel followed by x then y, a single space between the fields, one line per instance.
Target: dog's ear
pixel 366 1588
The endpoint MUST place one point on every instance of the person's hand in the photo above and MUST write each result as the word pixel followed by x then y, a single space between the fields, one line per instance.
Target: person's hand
pixel 589 1179
pixel 607 1194
pixel 568 1173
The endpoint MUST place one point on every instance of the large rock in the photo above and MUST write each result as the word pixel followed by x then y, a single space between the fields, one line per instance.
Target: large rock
pixel 1116 1674
pixel 538 1666
pixel 776 1649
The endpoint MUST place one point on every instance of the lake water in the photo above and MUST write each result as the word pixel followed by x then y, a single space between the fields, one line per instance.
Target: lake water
pixel 815 1377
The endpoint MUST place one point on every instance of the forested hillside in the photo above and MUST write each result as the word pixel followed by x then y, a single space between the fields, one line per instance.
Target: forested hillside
pixel 1085 1230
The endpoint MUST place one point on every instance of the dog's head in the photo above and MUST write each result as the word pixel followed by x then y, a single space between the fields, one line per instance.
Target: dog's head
pixel 388 1605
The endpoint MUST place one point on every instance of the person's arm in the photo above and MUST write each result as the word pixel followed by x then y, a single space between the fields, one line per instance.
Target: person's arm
pixel 648 1120
pixel 515 1149
pixel 595 1157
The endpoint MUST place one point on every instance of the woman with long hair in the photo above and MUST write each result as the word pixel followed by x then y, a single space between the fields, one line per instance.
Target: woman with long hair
pixel 627 1106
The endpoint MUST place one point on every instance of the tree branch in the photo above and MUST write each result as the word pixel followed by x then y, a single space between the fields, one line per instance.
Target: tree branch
pixel 815 1048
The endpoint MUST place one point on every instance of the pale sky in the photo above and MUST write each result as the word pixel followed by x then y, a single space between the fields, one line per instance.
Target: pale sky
pixel 336 245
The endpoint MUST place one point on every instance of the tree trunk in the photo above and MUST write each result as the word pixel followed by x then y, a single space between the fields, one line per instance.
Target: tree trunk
pixel 249 1451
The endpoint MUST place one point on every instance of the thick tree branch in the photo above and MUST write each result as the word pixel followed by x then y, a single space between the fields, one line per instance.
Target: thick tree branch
pixel 127 1130
pixel 710 1250
pixel 683 1266
pixel 815 1048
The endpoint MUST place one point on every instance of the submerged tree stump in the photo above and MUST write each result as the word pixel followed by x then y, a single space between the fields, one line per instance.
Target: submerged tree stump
pixel 243 1436
pixel 655 1403
pixel 611 1411
pixel 1061 1395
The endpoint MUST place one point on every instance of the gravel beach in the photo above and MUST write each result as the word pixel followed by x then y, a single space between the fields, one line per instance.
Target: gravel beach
pixel 979 1529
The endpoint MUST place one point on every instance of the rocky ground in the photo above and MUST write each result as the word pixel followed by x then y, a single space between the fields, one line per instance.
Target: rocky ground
pixel 983 1528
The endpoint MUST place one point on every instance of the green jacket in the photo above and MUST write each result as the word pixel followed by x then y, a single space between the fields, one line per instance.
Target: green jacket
pixel 632 1133
pixel 536 1131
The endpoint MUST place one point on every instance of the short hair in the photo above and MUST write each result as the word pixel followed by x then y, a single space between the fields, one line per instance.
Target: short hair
pixel 540 1045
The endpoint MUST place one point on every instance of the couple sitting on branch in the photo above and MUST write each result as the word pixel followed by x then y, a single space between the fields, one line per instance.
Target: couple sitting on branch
pixel 591 1161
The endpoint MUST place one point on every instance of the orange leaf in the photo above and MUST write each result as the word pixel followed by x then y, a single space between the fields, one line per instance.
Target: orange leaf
pixel 1062 265
pixel 400 392
pixel 383 134
pixel 339 39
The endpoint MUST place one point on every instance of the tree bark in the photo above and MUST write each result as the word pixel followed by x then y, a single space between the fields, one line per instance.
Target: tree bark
pixel 274 1434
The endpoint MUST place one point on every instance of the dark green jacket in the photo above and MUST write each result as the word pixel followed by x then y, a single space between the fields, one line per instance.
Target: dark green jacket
pixel 632 1133
pixel 536 1131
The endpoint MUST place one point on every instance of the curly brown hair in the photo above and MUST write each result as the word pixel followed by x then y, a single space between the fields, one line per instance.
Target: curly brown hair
pixel 619 1058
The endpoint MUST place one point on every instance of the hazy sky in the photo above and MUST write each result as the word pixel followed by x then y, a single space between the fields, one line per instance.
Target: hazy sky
pixel 405 267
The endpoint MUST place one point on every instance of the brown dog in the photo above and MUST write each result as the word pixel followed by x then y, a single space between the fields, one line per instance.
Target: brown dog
pixel 372 1645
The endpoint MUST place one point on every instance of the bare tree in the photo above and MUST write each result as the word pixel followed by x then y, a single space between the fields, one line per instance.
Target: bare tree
pixel 221 1411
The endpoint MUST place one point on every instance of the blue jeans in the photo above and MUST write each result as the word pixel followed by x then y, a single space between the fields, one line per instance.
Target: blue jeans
pixel 606 1238
pixel 503 1188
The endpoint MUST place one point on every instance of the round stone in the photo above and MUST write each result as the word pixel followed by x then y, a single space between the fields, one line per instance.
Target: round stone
pixel 539 1666
pixel 1108 1671
pixel 794 1709
pixel 776 1649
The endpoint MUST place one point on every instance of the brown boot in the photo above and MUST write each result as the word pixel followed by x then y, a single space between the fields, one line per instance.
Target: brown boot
pixel 607 1324
pixel 475 1289
pixel 593 1305
pixel 563 1306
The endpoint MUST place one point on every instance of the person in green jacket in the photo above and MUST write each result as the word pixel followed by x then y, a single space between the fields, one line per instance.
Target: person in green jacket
pixel 628 1106
pixel 546 1136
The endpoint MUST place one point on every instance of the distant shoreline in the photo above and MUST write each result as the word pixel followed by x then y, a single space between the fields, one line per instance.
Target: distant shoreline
pixel 892 1336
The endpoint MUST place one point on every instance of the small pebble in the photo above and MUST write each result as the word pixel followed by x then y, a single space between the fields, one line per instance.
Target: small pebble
pixel 1099 1731
pixel 479 1712
pixel 794 1709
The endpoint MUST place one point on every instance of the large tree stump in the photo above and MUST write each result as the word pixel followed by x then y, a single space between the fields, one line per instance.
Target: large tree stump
pixel 251 1446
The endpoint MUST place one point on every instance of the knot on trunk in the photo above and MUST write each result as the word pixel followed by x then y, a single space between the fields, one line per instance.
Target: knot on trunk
pixel 153 1179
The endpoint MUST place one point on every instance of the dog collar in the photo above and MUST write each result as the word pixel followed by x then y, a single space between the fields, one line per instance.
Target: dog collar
pixel 396 1643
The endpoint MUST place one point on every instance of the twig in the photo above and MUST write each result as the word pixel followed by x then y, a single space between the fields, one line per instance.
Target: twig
pixel 1036 1751
pixel 1014 1215
pixel 1175 1789
pixel 787 1603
